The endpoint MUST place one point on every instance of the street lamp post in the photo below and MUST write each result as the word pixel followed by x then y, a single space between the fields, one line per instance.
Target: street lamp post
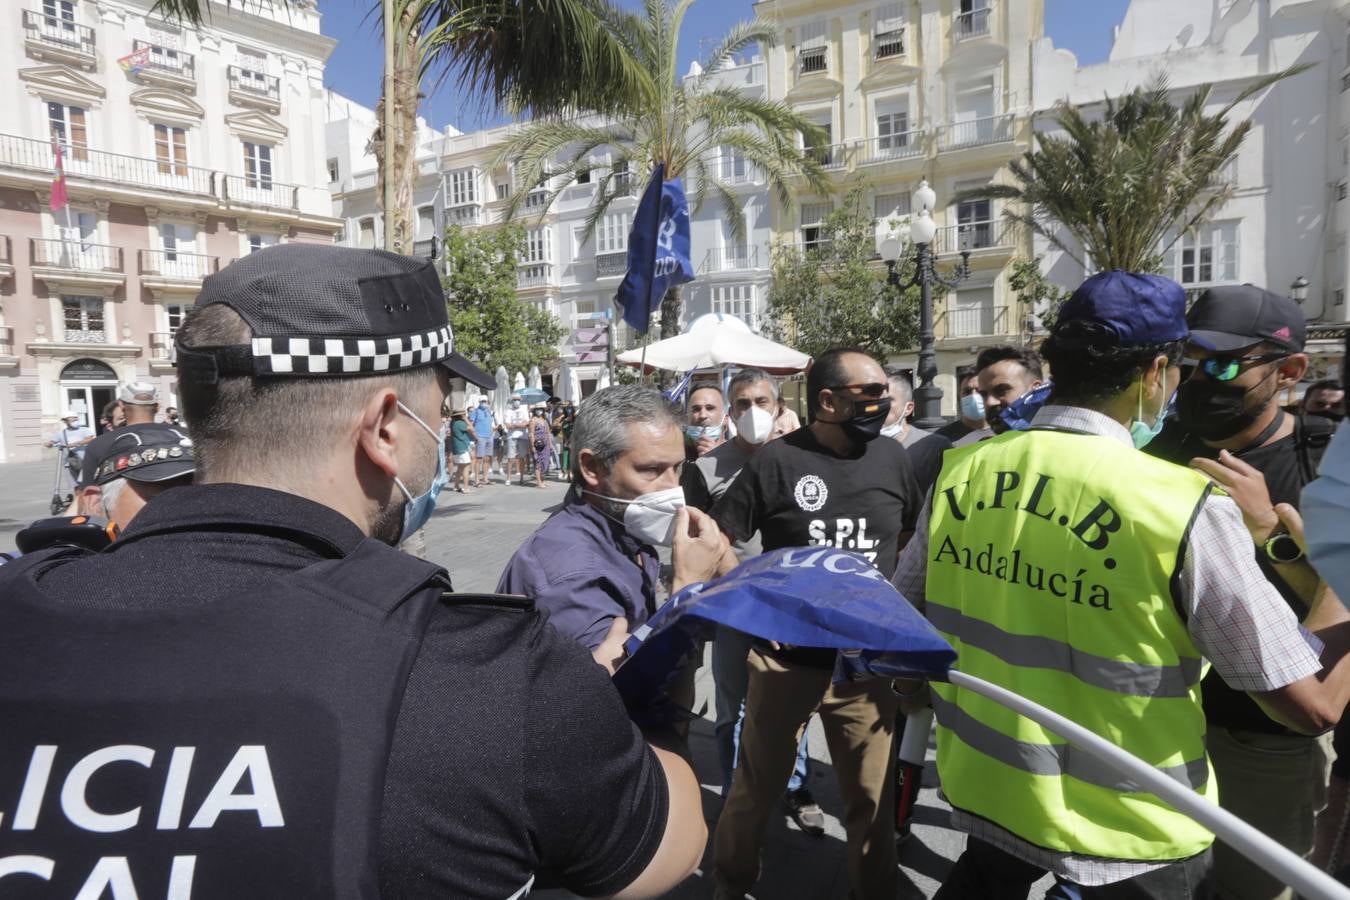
pixel 890 242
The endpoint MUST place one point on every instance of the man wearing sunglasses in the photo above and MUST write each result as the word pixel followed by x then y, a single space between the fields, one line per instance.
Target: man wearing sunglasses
pixel 1244 352
pixel 830 484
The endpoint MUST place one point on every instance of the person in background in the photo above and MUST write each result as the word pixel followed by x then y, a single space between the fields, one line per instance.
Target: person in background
pixel 461 439
pixel 484 428
pixel 1325 398
pixel 555 420
pixel 141 462
pixel 171 417
pixel 517 442
pixel 969 406
pixel 1147 570
pixel 706 427
pixel 754 402
pixel 925 449
pixel 541 443
pixel 1246 345
pixel 1005 374
pixel 833 483
pixel 786 420
pixel 75 438
pixel 111 417
pixel 569 418
pixel 137 402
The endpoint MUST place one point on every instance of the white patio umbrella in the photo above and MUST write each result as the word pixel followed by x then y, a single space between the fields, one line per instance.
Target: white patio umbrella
pixel 501 394
pixel 519 384
pixel 534 379
pixel 563 384
pixel 716 340
pixel 573 384
pixel 603 381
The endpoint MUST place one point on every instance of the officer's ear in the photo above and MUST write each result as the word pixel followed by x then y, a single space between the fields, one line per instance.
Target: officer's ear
pixel 380 428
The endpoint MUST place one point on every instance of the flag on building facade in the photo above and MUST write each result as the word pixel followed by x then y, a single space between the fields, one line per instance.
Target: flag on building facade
pixel 658 250
pixel 134 61
pixel 59 198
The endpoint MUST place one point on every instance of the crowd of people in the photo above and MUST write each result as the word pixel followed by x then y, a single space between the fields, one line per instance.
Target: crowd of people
pixel 262 697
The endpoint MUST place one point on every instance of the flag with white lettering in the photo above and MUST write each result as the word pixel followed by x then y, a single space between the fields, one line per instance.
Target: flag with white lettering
pixel 658 250
pixel 803 597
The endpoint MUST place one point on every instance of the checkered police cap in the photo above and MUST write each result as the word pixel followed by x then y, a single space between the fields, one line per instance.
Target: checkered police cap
pixel 322 310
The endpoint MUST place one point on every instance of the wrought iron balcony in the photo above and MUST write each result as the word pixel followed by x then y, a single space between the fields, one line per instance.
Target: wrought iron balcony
pixel 890 44
pixel 830 156
pixel 972 24
pixel 250 88
pixel 258 190
pixel 75 255
pixel 177 64
pixel 532 275
pixel 974 237
pixel 889 147
pixel 972 321
pixel 813 60
pixel 463 215
pixel 975 132
pixel 611 265
pixel 730 259
pixel 56 37
pixel 177 264
pixel 82 163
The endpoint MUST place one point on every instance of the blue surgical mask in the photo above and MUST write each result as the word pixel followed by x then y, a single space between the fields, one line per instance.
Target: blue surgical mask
pixel 972 407
pixel 1141 433
pixel 697 432
pixel 418 509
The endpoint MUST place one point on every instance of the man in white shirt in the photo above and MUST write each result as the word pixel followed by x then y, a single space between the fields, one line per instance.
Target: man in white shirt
pixel 517 445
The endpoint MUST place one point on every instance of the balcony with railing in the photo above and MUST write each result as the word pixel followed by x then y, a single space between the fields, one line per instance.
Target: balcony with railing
pixel 813 60
pixel 162 349
pixel 256 89
pixel 806 248
pixel 536 200
pixel 177 265
pixel 83 164
pixel 7 344
pixel 974 237
pixel 168 66
pixel 257 190
pixel 976 132
pixel 57 38
pixel 611 265
pixel 830 156
pixel 464 215
pixel 534 275
pixel 730 259
pixel 623 184
pixel 889 45
pixel 905 145
pixel 972 25
pixel 972 322
pixel 75 255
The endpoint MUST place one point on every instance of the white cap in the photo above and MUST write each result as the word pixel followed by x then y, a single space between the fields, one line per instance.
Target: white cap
pixel 71 414
pixel 139 393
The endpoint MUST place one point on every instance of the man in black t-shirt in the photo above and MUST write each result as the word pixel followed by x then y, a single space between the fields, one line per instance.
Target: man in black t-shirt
pixel 1247 344
pixel 830 484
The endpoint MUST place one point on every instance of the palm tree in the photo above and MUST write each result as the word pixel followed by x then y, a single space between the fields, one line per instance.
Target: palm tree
pixel 1119 184
pixel 664 120
pixel 534 55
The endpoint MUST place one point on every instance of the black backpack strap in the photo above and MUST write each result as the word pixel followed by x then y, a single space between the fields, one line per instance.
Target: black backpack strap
pixel 378 581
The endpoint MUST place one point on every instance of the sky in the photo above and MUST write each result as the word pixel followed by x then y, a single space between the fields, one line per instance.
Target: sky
pixel 354 68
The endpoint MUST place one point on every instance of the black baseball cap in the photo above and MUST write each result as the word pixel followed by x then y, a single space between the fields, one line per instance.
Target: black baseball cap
pixel 324 310
pixel 150 452
pixel 1240 315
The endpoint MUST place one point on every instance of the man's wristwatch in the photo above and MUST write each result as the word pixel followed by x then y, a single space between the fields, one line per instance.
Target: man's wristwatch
pixel 1282 549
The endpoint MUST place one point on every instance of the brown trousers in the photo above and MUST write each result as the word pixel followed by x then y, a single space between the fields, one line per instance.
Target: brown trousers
pixel 859 722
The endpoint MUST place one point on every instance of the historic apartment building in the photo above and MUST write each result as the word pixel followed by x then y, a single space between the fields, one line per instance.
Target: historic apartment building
pixel 183 150
pixel 461 182
pixel 911 90
pixel 1287 217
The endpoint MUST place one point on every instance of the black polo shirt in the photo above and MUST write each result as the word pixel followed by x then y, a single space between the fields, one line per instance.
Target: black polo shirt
pixel 512 756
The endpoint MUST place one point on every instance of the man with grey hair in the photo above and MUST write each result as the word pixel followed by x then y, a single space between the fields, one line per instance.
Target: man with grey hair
pixel 141 462
pixel 925 449
pixel 262 621
pixel 593 564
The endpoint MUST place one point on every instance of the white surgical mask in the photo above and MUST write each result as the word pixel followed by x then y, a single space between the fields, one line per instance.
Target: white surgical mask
pixel 755 425
pixel 650 517
pixel 893 430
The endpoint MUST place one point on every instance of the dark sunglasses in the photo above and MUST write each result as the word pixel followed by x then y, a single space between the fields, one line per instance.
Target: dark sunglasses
pixel 872 390
pixel 1221 368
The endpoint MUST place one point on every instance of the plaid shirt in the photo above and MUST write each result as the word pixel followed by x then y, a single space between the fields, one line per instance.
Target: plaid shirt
pixel 1237 620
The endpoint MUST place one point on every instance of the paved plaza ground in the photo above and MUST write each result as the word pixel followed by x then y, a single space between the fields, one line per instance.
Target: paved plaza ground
pixel 473 535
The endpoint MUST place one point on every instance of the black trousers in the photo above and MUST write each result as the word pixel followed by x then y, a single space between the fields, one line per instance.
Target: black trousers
pixel 984 872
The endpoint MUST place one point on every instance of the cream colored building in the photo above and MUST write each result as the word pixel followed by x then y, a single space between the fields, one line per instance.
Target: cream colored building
pixel 910 90
pixel 207 145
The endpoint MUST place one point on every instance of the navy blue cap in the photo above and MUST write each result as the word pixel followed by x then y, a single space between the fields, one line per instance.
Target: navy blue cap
pixel 1137 309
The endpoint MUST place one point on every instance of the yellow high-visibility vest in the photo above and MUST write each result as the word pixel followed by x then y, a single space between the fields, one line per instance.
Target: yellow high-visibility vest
pixel 1052 562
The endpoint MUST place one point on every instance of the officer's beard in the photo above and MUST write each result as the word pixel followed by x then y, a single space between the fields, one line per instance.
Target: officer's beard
pixel 388 525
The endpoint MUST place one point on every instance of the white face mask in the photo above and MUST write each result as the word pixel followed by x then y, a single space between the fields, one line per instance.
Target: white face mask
pixel 650 517
pixel 893 430
pixel 755 425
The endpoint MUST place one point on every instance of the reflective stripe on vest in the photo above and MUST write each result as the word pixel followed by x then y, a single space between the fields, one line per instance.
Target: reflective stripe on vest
pixel 1051 563
pixel 1041 652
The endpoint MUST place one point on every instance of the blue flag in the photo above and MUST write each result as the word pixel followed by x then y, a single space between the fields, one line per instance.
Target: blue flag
pixel 658 250
pixel 805 597
pixel 676 393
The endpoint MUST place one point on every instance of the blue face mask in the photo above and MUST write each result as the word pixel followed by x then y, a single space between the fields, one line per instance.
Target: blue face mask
pixel 1142 433
pixel 972 408
pixel 697 432
pixel 418 509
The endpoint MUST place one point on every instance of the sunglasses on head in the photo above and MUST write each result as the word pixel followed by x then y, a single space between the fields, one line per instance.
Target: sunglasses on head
pixel 872 390
pixel 1226 368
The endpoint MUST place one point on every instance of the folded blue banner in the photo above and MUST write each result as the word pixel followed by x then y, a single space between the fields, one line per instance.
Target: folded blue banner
pixel 804 597
pixel 658 250
pixel 1020 412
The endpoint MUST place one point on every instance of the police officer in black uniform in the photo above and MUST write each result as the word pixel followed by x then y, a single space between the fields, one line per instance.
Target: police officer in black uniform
pixel 252 694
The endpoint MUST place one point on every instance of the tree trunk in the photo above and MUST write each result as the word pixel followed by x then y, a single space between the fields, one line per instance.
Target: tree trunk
pixel 396 154
pixel 670 312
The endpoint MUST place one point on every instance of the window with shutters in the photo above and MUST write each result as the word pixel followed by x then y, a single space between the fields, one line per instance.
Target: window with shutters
pixel 735 300
pixel 173 314
pixel 83 319
pixel 888 39
pixel 611 233
pixel 538 246
pixel 892 129
pixel 366 232
pixel 813 50
pixel 171 150
pixel 258 241
pixel 896 204
pixel 1204 256
pixel 66 124
pixel 463 185
pixel 813 224
pixel 258 165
